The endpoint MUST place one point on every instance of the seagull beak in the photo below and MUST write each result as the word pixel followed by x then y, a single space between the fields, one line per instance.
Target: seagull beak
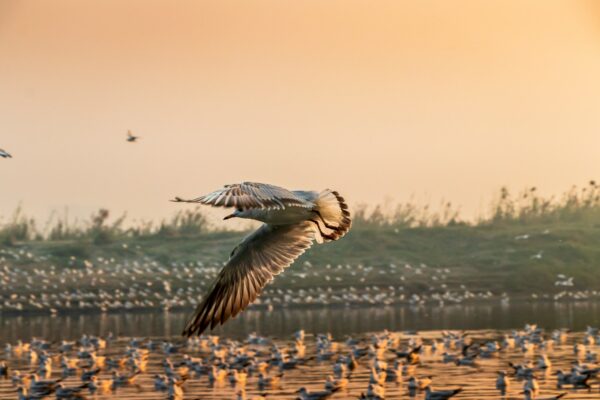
pixel 229 216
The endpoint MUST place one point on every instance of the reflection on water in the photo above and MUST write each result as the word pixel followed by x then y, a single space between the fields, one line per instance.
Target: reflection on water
pixel 477 381
pixel 339 321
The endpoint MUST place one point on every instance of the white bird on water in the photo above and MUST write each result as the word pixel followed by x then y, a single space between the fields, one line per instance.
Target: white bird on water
pixel 292 220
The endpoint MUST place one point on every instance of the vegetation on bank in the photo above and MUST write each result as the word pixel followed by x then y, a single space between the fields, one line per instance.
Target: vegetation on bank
pixel 524 243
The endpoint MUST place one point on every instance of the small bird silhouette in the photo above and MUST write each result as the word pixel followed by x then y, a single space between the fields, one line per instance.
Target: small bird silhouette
pixel 131 138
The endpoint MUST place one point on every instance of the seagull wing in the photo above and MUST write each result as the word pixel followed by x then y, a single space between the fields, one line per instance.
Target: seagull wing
pixel 253 263
pixel 250 195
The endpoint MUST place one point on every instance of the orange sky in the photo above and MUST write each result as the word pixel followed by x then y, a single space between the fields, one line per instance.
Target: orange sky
pixel 387 99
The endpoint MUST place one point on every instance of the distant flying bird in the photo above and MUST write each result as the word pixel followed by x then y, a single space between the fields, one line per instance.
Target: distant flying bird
pixel 131 138
pixel 5 154
pixel 292 220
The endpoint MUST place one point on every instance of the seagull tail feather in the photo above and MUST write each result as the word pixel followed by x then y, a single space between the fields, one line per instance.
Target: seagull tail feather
pixel 334 215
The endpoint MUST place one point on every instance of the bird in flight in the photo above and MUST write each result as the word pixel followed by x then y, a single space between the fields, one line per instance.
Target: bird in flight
pixel 292 221
pixel 5 154
pixel 131 138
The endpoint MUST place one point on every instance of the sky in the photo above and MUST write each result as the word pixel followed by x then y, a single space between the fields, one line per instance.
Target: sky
pixel 381 100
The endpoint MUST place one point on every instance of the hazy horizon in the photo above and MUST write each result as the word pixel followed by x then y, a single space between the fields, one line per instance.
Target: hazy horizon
pixel 430 100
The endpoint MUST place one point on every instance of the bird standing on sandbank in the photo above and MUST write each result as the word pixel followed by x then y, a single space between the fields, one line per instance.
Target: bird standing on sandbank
pixel 292 220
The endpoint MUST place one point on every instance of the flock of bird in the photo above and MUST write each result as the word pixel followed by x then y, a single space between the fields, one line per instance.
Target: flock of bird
pixel 309 367
pixel 378 366
pixel 292 221
pixel 139 282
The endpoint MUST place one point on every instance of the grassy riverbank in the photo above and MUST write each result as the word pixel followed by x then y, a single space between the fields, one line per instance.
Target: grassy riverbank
pixel 523 245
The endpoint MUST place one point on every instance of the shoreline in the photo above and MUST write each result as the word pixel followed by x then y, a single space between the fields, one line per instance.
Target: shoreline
pixel 313 306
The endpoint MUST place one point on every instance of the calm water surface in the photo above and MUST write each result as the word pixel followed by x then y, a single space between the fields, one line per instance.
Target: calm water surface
pixel 280 323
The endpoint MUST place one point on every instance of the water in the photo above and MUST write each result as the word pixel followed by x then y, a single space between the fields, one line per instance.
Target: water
pixel 280 323
pixel 478 383
pixel 483 321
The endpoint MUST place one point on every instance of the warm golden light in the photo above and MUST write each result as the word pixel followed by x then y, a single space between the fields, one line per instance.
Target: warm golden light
pixel 438 99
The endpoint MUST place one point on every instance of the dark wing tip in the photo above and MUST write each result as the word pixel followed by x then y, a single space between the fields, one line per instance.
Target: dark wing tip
pixel 193 328
pixel 188 332
pixel 204 315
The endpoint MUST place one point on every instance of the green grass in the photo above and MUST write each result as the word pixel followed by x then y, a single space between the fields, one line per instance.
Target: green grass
pixel 484 254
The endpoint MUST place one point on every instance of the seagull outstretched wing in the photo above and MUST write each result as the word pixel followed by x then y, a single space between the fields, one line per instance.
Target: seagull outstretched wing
pixel 249 195
pixel 253 263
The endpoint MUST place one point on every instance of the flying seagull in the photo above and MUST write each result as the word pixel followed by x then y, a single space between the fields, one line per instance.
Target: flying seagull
pixel 131 138
pixel 5 154
pixel 292 220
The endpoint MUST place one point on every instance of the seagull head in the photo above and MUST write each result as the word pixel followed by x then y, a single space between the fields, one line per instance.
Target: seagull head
pixel 237 213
